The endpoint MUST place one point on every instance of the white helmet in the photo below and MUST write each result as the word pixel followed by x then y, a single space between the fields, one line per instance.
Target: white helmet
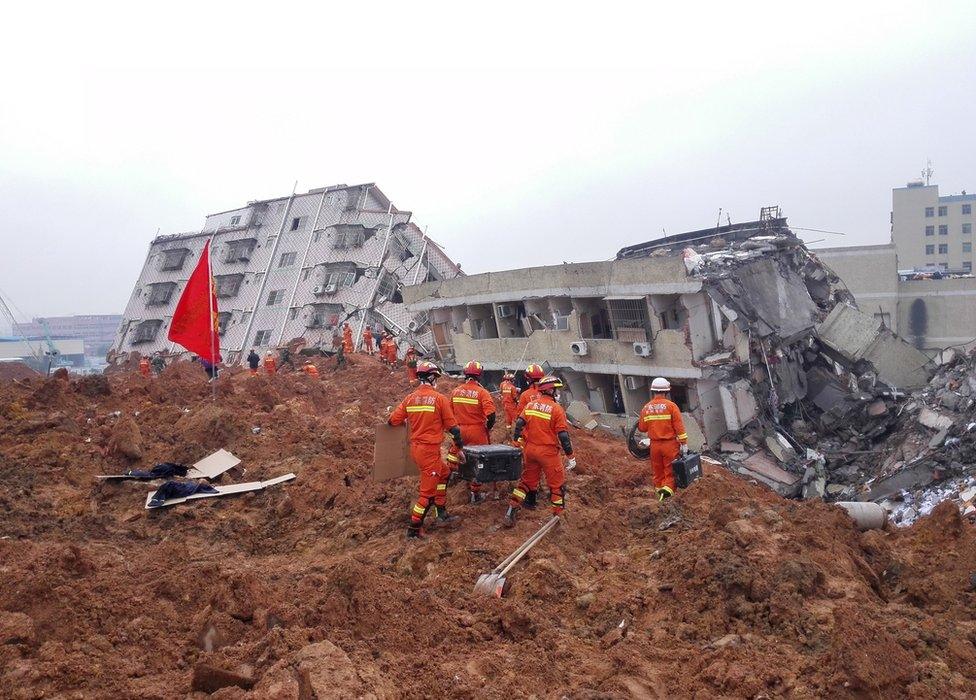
pixel 660 384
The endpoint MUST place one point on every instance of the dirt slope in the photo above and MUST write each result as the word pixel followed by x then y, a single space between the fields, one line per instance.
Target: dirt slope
pixel 310 590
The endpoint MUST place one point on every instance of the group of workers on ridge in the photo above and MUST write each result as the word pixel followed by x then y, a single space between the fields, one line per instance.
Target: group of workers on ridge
pixel 538 426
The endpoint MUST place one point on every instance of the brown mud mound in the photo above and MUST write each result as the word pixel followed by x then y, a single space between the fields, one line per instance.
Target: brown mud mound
pixel 310 589
pixel 16 370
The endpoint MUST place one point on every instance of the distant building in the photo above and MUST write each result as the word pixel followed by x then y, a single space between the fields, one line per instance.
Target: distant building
pixel 932 231
pixel 292 267
pixel 36 352
pixel 97 330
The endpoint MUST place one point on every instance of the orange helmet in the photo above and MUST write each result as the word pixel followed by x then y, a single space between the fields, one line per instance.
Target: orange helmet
pixel 549 384
pixel 535 372
pixel 427 370
pixel 472 369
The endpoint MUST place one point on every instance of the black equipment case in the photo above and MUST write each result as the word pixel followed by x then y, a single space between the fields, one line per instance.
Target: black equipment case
pixel 489 463
pixel 687 469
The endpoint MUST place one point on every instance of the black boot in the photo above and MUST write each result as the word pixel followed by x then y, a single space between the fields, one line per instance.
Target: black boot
pixel 509 519
pixel 531 500
pixel 443 520
pixel 414 532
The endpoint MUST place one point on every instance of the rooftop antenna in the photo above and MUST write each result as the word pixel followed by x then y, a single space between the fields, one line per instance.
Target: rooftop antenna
pixel 928 172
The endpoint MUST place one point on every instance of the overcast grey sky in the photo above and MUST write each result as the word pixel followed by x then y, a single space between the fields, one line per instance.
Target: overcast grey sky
pixel 521 133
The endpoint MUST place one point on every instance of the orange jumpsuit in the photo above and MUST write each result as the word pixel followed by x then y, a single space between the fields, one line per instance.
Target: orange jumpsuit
pixel 472 406
pixel 391 352
pixel 312 371
pixel 544 420
pixel 661 420
pixel 530 394
pixel 429 415
pixel 368 341
pixel 509 401
pixel 144 367
pixel 270 364
pixel 347 339
pixel 411 359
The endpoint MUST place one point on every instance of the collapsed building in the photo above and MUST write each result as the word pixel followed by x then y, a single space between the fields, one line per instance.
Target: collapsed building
pixel 760 340
pixel 294 267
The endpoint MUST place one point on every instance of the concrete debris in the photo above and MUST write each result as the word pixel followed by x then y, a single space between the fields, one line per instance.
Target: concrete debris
pixel 936 421
pixel 579 414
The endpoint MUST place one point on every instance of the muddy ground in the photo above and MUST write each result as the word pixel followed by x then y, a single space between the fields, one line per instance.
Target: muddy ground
pixel 310 589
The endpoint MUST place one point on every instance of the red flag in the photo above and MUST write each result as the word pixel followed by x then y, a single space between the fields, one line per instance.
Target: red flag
pixel 194 324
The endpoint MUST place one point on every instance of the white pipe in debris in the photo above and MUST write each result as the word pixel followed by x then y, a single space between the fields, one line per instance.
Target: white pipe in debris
pixel 867 516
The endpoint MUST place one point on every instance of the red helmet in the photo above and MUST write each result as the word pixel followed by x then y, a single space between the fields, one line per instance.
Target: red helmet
pixel 472 369
pixel 549 384
pixel 535 372
pixel 427 370
pixel 508 375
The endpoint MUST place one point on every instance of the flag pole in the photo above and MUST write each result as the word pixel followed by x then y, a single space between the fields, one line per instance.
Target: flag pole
pixel 213 331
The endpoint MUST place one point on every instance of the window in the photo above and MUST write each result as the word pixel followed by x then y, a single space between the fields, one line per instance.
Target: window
pixel 884 318
pixel 944 267
pixel 930 250
pixel 943 249
pixel 387 287
pixel 967 229
pixel 943 211
pixel 349 238
pixel 262 338
pixel 146 331
pixel 316 236
pixel 173 259
pixel 967 208
pixel 292 313
pixel 967 247
pixel 287 259
pixel 297 223
pixel 234 220
pixel 967 266
pixel 628 319
pixel 339 275
pixel 276 296
pixel 943 230
pixel 228 285
pixel 930 230
pixel 306 273
pixel 240 251
pixel 160 293
pixel 399 248
pixel 929 212
pixel 223 320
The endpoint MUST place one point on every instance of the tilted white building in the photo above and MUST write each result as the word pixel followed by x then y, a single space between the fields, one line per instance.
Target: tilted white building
pixel 292 267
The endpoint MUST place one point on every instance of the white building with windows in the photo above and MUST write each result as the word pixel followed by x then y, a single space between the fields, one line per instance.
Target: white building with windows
pixel 292 267
pixel 932 231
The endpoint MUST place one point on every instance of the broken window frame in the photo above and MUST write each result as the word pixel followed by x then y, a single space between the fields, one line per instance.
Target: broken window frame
pixel 179 255
pixel 262 338
pixel 240 250
pixel 160 293
pixel 629 319
pixel 146 331
pixel 223 321
pixel 227 286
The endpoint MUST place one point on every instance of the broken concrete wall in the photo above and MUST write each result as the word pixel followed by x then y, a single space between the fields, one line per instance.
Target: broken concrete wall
pixel 861 342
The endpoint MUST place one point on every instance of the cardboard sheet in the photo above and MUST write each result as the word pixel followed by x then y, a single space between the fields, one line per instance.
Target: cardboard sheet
pixel 391 453
pixel 223 491
pixel 210 467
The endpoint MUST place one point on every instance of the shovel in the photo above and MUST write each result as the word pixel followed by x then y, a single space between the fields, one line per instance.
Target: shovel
pixel 493 583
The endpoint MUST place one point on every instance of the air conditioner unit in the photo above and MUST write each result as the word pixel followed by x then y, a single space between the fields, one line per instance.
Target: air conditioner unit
pixel 633 383
pixel 642 349
pixel 579 348
pixel 506 311
pixel 331 288
pixel 414 326
pixel 318 290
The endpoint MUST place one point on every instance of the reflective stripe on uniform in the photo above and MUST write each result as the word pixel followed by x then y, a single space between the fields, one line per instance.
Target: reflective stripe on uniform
pixel 420 409
pixel 518 493
pixel 538 414
pixel 666 488
pixel 442 487
pixel 666 416
pixel 462 399
pixel 683 436
pixel 453 458
pixel 418 510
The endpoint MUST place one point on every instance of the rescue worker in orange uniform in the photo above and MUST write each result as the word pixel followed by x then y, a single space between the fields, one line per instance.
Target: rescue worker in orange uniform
pixel 368 340
pixel 475 412
pixel 311 370
pixel 509 394
pixel 270 363
pixel 144 367
pixel 410 360
pixel 661 420
pixel 391 351
pixel 429 415
pixel 347 339
pixel 543 429
pixel 533 373
pixel 384 348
